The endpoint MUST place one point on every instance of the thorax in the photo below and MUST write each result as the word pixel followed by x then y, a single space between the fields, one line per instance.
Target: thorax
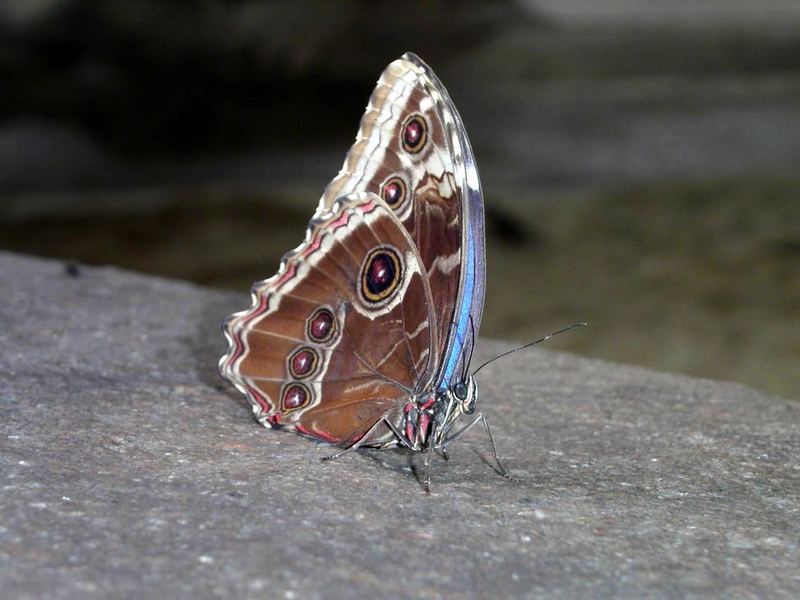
pixel 426 418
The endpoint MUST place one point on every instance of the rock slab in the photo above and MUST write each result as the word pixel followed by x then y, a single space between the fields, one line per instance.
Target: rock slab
pixel 129 469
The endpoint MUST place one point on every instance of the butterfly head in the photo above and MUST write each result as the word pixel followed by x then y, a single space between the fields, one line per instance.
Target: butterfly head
pixel 466 394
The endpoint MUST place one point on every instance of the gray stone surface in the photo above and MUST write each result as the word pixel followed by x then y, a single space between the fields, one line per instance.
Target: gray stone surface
pixel 130 470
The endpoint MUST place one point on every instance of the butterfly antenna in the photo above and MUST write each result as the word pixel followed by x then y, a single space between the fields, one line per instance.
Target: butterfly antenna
pixel 529 344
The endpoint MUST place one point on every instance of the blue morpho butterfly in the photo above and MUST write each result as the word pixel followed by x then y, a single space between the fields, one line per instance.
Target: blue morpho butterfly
pixel 365 335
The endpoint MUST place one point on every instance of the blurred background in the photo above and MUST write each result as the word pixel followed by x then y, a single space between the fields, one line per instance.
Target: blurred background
pixel 640 158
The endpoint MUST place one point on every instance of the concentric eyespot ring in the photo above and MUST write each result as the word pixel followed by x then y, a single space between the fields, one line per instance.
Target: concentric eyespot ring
pixel 303 362
pixel 321 326
pixel 381 273
pixel 295 395
pixel 394 191
pixel 414 133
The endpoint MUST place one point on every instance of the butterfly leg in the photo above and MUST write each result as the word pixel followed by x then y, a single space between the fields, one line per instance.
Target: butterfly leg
pixel 428 457
pixel 357 444
pixel 407 443
pixel 480 418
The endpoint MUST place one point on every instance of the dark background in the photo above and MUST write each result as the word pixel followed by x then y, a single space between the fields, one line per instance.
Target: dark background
pixel 639 159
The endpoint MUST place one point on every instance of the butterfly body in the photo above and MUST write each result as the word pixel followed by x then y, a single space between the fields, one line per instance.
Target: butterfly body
pixel 429 419
pixel 365 334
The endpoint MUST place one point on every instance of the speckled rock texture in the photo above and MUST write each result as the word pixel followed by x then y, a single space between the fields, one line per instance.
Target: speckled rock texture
pixel 129 469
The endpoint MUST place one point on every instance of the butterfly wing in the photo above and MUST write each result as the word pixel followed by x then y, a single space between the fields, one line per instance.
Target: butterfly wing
pixel 342 335
pixel 413 151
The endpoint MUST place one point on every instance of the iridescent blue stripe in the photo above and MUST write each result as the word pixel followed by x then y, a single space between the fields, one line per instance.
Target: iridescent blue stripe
pixel 462 323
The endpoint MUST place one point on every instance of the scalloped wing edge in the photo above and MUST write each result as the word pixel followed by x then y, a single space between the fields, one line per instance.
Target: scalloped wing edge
pixel 234 325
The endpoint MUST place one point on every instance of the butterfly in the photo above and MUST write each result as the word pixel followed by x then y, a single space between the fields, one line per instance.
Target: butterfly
pixel 365 335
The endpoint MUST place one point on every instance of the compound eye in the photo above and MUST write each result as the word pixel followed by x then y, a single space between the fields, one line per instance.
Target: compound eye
pixel 460 391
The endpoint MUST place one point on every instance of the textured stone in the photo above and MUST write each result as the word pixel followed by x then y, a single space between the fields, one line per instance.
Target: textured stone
pixel 130 470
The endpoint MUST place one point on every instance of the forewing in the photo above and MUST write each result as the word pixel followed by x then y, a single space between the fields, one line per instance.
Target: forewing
pixel 412 151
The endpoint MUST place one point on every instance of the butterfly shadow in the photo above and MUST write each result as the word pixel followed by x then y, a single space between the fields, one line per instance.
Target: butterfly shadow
pixel 402 461
pixel 411 464
pixel 397 460
pixel 207 344
pixel 489 462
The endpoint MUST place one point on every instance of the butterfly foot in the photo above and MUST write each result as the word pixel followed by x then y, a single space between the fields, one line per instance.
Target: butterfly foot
pixel 501 470
pixel 333 456
pixel 428 459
